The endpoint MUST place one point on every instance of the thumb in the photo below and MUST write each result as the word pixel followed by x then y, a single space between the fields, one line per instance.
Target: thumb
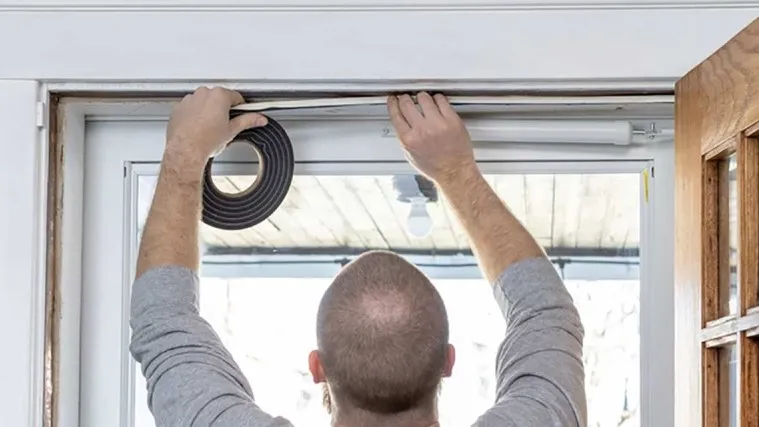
pixel 247 121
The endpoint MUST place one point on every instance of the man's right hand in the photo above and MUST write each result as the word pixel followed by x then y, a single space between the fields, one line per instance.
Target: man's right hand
pixel 433 136
pixel 540 372
pixel 438 145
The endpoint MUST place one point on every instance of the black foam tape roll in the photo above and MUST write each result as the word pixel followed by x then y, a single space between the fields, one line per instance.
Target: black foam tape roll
pixel 255 204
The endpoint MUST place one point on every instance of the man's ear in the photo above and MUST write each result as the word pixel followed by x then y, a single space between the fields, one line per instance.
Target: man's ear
pixel 450 360
pixel 315 366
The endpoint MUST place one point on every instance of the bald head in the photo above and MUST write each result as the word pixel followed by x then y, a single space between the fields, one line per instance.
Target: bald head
pixel 382 332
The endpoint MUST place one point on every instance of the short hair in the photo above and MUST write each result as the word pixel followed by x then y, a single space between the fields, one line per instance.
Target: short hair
pixel 382 333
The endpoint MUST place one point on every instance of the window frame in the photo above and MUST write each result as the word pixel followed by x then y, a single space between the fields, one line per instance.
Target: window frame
pixel 656 259
pixel 720 330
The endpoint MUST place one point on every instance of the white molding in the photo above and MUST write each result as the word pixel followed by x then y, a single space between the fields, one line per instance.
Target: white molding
pixel 363 5
pixel 103 356
pixel 71 120
pixel 532 49
pixel 23 254
pixel 279 87
pixel 657 299
pixel 131 375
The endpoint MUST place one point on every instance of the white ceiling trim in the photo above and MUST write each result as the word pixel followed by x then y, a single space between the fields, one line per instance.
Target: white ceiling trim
pixel 540 49
pixel 290 87
pixel 359 5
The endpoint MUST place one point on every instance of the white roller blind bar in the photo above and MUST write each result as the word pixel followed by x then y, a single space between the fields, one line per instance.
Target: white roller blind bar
pixel 556 131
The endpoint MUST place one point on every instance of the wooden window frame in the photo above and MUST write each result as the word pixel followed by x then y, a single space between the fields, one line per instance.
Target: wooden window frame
pixel 737 329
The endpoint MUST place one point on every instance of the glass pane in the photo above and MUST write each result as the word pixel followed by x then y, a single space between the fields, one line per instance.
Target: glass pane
pixel 728 386
pixel 589 224
pixel 729 236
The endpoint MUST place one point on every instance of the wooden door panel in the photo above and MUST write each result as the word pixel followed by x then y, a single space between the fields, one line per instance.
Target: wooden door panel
pixel 728 82
pixel 716 118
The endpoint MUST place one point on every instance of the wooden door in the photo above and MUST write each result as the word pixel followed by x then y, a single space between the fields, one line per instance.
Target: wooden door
pixel 717 238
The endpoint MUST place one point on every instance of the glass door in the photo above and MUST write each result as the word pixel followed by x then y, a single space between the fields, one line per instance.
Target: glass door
pixel 597 210
pixel 260 287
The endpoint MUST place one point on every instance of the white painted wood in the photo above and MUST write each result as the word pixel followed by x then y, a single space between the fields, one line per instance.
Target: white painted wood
pixel 657 318
pixel 23 178
pixel 318 198
pixel 371 4
pixel 360 220
pixel 290 45
pixel 71 127
pixel 107 369
pixel 362 87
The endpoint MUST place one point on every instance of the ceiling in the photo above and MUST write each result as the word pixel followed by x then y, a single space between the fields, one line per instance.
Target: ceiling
pixel 596 214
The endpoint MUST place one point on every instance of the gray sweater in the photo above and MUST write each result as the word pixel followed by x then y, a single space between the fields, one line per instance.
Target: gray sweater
pixel 193 381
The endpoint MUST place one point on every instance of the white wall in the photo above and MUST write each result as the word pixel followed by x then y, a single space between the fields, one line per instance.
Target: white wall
pixel 257 40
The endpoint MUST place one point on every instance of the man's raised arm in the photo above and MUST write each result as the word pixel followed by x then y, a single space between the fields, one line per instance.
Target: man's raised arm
pixel 192 379
pixel 540 376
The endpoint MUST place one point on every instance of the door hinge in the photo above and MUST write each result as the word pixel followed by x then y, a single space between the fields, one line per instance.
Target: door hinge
pixel 652 171
pixel 41 114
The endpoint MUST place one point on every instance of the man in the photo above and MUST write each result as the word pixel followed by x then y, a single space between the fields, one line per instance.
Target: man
pixel 382 329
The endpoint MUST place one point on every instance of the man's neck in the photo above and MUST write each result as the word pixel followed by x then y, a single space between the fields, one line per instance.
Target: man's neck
pixel 397 424
pixel 412 419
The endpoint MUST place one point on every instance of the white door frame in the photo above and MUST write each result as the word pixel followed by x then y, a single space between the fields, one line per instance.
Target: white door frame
pixel 107 161
pixel 25 130
pixel 23 252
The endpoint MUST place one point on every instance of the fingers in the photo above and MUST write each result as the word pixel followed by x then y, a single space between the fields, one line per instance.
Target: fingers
pixel 409 110
pixel 229 96
pixel 429 107
pixel 234 97
pixel 247 121
pixel 405 114
pixel 445 107
pixel 396 117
